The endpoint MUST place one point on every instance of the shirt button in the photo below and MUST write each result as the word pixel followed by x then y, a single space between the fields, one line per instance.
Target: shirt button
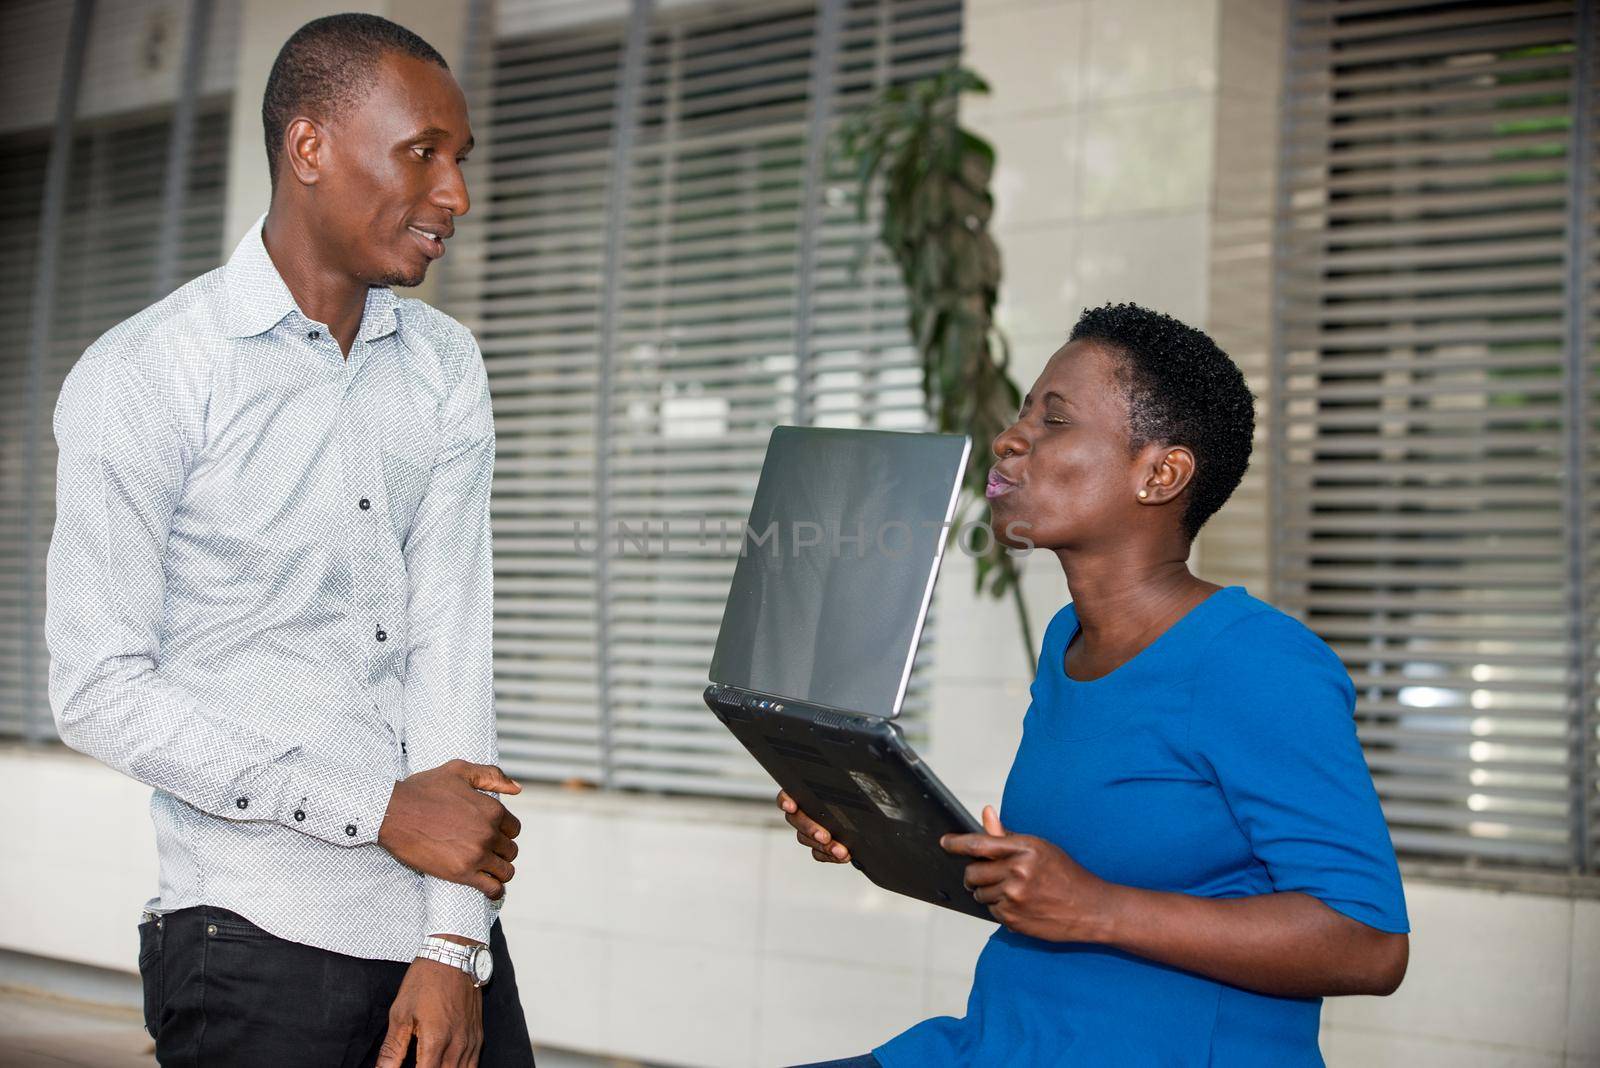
pixel 314 334
pixel 350 830
pixel 365 504
pixel 299 815
pixel 382 637
pixel 243 802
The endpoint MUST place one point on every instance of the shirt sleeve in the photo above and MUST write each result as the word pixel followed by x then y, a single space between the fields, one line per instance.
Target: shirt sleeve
pixel 119 478
pixel 449 685
pixel 1273 718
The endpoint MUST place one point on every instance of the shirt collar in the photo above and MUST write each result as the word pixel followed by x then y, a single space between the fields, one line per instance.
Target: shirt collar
pixel 258 298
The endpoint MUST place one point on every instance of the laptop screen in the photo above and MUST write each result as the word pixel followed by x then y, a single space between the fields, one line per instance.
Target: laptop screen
pixel 837 566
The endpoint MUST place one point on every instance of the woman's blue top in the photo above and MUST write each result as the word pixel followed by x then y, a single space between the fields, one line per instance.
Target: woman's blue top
pixel 1221 761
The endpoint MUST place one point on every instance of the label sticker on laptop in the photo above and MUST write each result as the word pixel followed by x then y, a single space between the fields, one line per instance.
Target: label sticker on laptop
pixel 886 802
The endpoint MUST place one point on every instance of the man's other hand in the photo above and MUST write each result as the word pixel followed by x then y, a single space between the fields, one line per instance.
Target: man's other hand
pixel 439 824
pixel 439 1007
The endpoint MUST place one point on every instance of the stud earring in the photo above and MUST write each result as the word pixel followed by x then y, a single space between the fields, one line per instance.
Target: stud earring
pixel 1143 494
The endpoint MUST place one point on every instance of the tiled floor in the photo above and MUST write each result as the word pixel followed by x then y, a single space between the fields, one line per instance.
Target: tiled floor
pixel 39 1031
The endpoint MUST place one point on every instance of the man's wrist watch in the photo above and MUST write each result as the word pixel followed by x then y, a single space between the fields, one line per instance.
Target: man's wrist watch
pixel 474 960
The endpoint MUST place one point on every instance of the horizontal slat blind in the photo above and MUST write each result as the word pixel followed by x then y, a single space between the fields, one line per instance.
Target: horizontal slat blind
pixel 1425 469
pixel 535 302
pixel 704 365
pixel 21 193
pixel 1583 414
pixel 707 292
pixel 862 370
pixel 106 271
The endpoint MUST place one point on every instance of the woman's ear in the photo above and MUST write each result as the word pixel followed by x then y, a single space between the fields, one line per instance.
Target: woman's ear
pixel 1167 469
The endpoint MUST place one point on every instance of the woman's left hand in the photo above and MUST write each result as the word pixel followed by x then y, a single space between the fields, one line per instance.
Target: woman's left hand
pixel 1031 886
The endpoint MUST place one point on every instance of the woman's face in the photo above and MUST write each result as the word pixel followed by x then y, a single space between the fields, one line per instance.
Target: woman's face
pixel 1064 467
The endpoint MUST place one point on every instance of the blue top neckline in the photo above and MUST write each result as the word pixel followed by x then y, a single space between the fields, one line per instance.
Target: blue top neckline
pixel 1057 657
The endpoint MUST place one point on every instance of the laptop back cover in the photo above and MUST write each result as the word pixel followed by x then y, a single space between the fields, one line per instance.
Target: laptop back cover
pixel 837 568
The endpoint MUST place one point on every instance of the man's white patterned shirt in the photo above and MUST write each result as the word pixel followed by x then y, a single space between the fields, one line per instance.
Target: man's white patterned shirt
pixel 270 594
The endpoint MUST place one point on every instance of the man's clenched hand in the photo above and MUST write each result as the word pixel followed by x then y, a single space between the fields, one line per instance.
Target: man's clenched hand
pixel 439 824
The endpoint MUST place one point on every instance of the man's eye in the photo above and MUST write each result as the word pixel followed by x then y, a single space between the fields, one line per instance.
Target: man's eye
pixel 1056 420
pixel 423 153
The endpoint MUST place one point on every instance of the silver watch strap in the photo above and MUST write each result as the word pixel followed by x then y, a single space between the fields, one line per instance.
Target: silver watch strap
pixel 447 952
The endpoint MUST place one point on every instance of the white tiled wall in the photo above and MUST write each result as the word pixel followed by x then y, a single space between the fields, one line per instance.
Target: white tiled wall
pixel 1491 977
pixel 698 933
pixel 1583 1000
pixel 1102 120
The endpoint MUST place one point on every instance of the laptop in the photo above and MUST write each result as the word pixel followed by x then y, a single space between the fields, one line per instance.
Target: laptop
pixel 819 634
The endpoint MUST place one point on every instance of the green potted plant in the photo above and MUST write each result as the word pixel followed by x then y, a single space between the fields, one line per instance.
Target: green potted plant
pixel 930 175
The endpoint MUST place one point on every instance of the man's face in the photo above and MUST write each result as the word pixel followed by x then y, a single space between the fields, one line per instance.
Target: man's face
pixel 390 182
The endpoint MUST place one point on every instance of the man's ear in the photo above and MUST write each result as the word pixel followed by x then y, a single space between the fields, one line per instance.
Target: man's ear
pixel 304 150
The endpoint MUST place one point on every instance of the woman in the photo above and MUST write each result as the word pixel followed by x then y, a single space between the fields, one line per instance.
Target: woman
pixel 1189 853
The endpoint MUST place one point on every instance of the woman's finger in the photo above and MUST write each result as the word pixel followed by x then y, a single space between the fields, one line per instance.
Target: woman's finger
pixel 985 873
pixel 805 824
pixel 979 845
pixel 835 850
pixel 988 895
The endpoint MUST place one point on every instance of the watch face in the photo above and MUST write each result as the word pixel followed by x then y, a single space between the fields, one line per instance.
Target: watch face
pixel 482 965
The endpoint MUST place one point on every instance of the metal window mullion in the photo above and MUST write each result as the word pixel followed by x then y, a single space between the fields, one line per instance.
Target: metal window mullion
pixel 1580 160
pixel 42 312
pixel 824 62
pixel 180 147
pixel 623 123
pixel 1277 354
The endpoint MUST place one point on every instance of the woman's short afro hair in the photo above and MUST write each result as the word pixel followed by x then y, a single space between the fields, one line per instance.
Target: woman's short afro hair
pixel 326 67
pixel 1182 390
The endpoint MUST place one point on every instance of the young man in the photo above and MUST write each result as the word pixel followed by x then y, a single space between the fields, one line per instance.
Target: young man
pixel 271 597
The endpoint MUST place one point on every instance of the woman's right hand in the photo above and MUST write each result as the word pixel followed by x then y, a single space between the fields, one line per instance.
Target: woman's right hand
pixel 812 834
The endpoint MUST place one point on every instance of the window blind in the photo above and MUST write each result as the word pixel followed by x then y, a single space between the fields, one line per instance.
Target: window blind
pixel 634 391
pixel 1434 409
pixel 21 192
pixel 106 271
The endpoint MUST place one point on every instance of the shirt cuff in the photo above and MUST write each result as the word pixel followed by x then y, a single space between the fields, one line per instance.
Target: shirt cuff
pixel 341 806
pixel 452 908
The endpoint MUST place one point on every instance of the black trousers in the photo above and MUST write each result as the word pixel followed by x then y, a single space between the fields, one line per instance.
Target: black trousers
pixel 219 992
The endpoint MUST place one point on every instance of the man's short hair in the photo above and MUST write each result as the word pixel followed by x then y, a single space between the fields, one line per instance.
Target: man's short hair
pixel 1182 390
pixel 326 67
